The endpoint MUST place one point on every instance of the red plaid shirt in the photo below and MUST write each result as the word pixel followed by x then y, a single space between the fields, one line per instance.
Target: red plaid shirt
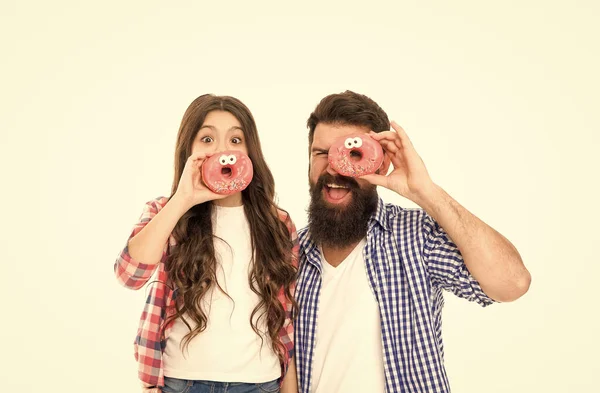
pixel 148 345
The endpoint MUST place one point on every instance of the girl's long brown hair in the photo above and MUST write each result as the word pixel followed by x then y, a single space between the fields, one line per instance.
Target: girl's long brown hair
pixel 191 264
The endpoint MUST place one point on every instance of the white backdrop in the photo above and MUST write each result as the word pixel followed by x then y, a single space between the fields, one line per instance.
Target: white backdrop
pixel 499 98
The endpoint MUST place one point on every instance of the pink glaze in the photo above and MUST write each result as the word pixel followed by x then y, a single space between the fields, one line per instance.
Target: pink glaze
pixel 219 179
pixel 370 151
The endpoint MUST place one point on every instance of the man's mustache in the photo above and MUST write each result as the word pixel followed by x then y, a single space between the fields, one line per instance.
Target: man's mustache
pixel 345 181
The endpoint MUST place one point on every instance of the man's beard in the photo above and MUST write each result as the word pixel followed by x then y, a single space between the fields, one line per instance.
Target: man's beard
pixel 340 226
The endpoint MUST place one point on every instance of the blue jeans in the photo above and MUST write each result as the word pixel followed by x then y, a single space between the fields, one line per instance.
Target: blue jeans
pixel 174 385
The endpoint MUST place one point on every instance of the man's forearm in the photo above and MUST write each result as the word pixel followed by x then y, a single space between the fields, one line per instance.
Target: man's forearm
pixel 490 257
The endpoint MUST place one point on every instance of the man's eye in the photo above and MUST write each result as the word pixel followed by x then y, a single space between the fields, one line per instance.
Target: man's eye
pixel 206 139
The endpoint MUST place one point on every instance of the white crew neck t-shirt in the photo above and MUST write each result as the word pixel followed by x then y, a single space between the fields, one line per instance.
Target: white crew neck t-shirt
pixel 228 350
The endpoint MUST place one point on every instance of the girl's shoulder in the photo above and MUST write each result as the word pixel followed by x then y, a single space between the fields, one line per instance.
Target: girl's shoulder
pixel 157 203
pixel 284 216
pixel 152 207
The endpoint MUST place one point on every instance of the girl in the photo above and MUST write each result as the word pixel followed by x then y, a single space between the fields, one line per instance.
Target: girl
pixel 219 315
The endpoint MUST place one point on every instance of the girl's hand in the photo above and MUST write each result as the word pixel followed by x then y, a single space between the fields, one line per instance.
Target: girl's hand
pixel 191 190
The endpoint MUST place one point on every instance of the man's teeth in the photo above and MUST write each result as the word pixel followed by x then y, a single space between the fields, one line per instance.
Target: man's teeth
pixel 331 185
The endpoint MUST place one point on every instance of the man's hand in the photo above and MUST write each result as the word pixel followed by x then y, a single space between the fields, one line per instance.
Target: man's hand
pixel 490 257
pixel 409 176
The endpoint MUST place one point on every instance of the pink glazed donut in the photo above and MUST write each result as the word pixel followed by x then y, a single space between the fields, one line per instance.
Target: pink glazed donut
pixel 355 155
pixel 227 172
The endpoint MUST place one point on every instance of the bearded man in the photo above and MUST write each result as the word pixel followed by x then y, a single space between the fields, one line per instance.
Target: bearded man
pixel 372 275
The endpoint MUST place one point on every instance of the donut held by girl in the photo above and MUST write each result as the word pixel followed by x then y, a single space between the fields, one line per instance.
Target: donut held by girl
pixel 227 172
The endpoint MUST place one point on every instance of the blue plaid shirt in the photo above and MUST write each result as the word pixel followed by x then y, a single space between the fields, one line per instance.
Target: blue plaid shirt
pixel 409 260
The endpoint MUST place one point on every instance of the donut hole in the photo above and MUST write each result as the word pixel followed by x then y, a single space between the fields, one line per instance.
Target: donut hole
pixel 226 172
pixel 355 155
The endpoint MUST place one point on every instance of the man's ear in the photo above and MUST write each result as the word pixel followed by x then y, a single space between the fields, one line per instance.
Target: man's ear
pixel 385 165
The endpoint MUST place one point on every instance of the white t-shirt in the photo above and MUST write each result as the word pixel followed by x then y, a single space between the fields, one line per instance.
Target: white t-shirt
pixel 348 354
pixel 228 350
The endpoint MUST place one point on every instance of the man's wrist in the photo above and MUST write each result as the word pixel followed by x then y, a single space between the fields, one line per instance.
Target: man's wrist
pixel 430 197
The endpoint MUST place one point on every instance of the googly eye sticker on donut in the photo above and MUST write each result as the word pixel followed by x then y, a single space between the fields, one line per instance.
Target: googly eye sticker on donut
pixel 355 155
pixel 227 172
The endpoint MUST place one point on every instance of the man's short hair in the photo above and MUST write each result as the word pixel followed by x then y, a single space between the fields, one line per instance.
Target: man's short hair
pixel 348 108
